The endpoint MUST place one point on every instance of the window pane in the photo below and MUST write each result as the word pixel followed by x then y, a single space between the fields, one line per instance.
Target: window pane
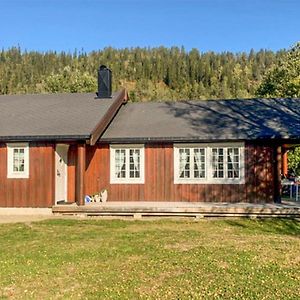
pixel 218 162
pixel 120 166
pixel 134 163
pixel 199 163
pixel 21 167
pixel 18 160
pixel 233 162
pixel 21 160
pixel 16 165
pixel 184 163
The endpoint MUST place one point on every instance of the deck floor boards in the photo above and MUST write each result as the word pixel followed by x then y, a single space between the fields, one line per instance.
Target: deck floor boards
pixel 192 209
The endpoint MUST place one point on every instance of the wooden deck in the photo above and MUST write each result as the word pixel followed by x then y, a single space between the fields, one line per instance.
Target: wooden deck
pixel 287 209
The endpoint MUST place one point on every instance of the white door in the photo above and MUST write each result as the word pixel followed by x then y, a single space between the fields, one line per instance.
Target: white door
pixel 61 172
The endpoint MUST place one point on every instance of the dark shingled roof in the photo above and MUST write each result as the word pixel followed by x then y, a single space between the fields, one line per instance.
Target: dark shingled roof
pixel 50 115
pixel 206 120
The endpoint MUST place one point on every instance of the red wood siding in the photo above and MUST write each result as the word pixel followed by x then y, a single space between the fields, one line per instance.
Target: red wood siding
pixel 159 178
pixel 38 189
pixel 259 173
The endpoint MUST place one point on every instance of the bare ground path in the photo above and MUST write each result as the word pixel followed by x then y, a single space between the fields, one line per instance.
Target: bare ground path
pixel 23 218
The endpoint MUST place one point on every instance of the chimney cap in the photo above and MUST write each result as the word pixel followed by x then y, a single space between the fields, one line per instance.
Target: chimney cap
pixel 102 67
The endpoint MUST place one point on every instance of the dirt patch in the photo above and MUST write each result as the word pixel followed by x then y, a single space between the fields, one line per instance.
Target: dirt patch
pixel 25 218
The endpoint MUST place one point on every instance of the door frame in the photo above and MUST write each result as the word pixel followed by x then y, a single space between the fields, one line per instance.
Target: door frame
pixel 61 150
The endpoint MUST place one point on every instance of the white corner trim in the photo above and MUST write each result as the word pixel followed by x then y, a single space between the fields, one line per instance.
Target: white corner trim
pixel 127 179
pixel 208 163
pixel 10 151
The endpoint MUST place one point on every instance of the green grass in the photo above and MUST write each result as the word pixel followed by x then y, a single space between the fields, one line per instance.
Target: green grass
pixel 163 259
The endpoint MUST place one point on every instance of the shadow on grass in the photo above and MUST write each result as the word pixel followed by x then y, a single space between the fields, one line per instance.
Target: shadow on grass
pixel 106 223
pixel 276 226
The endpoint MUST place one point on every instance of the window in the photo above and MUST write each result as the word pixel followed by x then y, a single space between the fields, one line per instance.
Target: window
pixel 191 163
pixel 211 163
pixel 18 160
pixel 127 164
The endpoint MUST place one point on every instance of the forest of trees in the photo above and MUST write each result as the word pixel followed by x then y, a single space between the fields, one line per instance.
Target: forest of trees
pixel 148 73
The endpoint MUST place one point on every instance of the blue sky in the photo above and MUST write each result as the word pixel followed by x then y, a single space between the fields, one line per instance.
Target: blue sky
pixel 218 25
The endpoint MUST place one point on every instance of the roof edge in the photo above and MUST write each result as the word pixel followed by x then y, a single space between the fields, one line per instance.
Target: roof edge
pixel 192 140
pixel 37 138
pixel 98 130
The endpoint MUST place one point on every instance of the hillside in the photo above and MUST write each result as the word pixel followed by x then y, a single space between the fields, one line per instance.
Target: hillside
pixel 148 73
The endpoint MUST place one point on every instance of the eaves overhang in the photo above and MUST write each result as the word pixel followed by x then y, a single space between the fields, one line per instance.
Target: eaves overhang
pixel 46 138
pixel 130 140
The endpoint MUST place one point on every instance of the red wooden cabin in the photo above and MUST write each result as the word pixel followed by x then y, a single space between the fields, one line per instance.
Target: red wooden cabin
pixel 61 147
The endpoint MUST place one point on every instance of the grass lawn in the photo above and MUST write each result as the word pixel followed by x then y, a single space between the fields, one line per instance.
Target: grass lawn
pixel 162 259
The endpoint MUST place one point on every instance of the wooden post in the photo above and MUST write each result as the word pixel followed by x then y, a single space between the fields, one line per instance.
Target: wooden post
pixel 285 162
pixel 80 174
pixel 277 174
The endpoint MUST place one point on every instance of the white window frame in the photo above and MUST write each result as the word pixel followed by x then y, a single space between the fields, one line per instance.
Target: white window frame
pixel 177 178
pixel 127 179
pixel 10 160
pixel 209 179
